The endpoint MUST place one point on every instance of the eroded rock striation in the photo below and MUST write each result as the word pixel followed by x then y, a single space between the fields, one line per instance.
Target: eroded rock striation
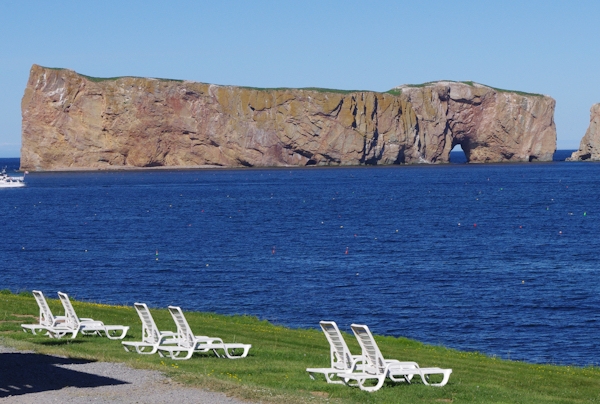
pixel 589 147
pixel 71 121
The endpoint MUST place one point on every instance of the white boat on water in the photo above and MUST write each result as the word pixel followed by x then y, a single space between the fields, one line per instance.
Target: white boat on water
pixel 6 181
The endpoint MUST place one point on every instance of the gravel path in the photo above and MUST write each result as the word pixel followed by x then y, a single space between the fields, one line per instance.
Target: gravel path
pixel 27 377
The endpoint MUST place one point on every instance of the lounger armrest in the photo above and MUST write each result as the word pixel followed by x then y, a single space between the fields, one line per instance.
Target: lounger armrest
pixel 90 323
pixel 358 363
pixel 356 375
pixel 209 340
pixel 396 363
pixel 168 337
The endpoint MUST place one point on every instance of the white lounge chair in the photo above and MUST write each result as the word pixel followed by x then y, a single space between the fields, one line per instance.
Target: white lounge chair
pixel 187 343
pixel 376 367
pixel 47 319
pixel 73 325
pixel 151 336
pixel 342 359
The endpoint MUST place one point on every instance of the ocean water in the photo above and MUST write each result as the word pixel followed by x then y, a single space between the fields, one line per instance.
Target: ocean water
pixel 500 258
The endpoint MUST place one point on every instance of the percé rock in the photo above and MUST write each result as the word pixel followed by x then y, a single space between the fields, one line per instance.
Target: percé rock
pixel 589 148
pixel 71 121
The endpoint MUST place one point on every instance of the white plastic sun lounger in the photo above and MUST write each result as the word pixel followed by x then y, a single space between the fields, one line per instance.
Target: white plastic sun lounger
pixel 151 336
pixel 376 367
pixel 342 359
pixel 47 319
pixel 187 343
pixel 73 325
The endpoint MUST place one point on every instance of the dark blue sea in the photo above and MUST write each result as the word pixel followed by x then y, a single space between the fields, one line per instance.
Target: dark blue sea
pixel 499 258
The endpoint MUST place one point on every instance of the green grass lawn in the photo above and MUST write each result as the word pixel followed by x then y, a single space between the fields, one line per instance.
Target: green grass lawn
pixel 274 370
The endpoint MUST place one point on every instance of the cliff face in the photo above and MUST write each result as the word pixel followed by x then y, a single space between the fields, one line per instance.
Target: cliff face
pixel 589 148
pixel 76 122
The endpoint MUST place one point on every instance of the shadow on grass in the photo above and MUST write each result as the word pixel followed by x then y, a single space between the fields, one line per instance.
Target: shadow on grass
pixel 24 373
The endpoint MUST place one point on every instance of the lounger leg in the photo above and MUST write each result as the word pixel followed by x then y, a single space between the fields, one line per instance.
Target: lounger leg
pixel 328 378
pixel 425 380
pixel 231 356
pixel 359 381
pixel 140 350
pixel 380 381
pixel 174 354
pixel 61 334
pixel 189 354
pixel 113 334
pixel 403 378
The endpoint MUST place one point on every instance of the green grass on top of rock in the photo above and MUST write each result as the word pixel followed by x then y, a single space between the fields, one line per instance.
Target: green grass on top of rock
pixel 99 79
pixel 501 90
pixel 316 89
pixel 472 83
pixel 393 91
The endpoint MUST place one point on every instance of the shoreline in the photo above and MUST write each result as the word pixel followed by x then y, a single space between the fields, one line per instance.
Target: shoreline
pixel 560 152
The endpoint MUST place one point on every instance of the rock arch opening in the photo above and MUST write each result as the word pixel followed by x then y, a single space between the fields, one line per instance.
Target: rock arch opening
pixel 458 155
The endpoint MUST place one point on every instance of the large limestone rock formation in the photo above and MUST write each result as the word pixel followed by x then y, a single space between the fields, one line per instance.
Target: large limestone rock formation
pixel 72 121
pixel 589 148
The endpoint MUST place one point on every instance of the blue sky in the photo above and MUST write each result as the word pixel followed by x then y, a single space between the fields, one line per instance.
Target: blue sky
pixel 542 47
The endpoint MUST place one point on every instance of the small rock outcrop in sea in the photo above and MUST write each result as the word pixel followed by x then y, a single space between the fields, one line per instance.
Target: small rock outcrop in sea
pixel 71 121
pixel 589 148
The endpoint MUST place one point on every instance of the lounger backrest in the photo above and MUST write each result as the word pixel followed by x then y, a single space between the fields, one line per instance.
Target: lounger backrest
pixel 375 362
pixel 72 321
pixel 46 317
pixel 184 332
pixel 150 332
pixel 341 358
